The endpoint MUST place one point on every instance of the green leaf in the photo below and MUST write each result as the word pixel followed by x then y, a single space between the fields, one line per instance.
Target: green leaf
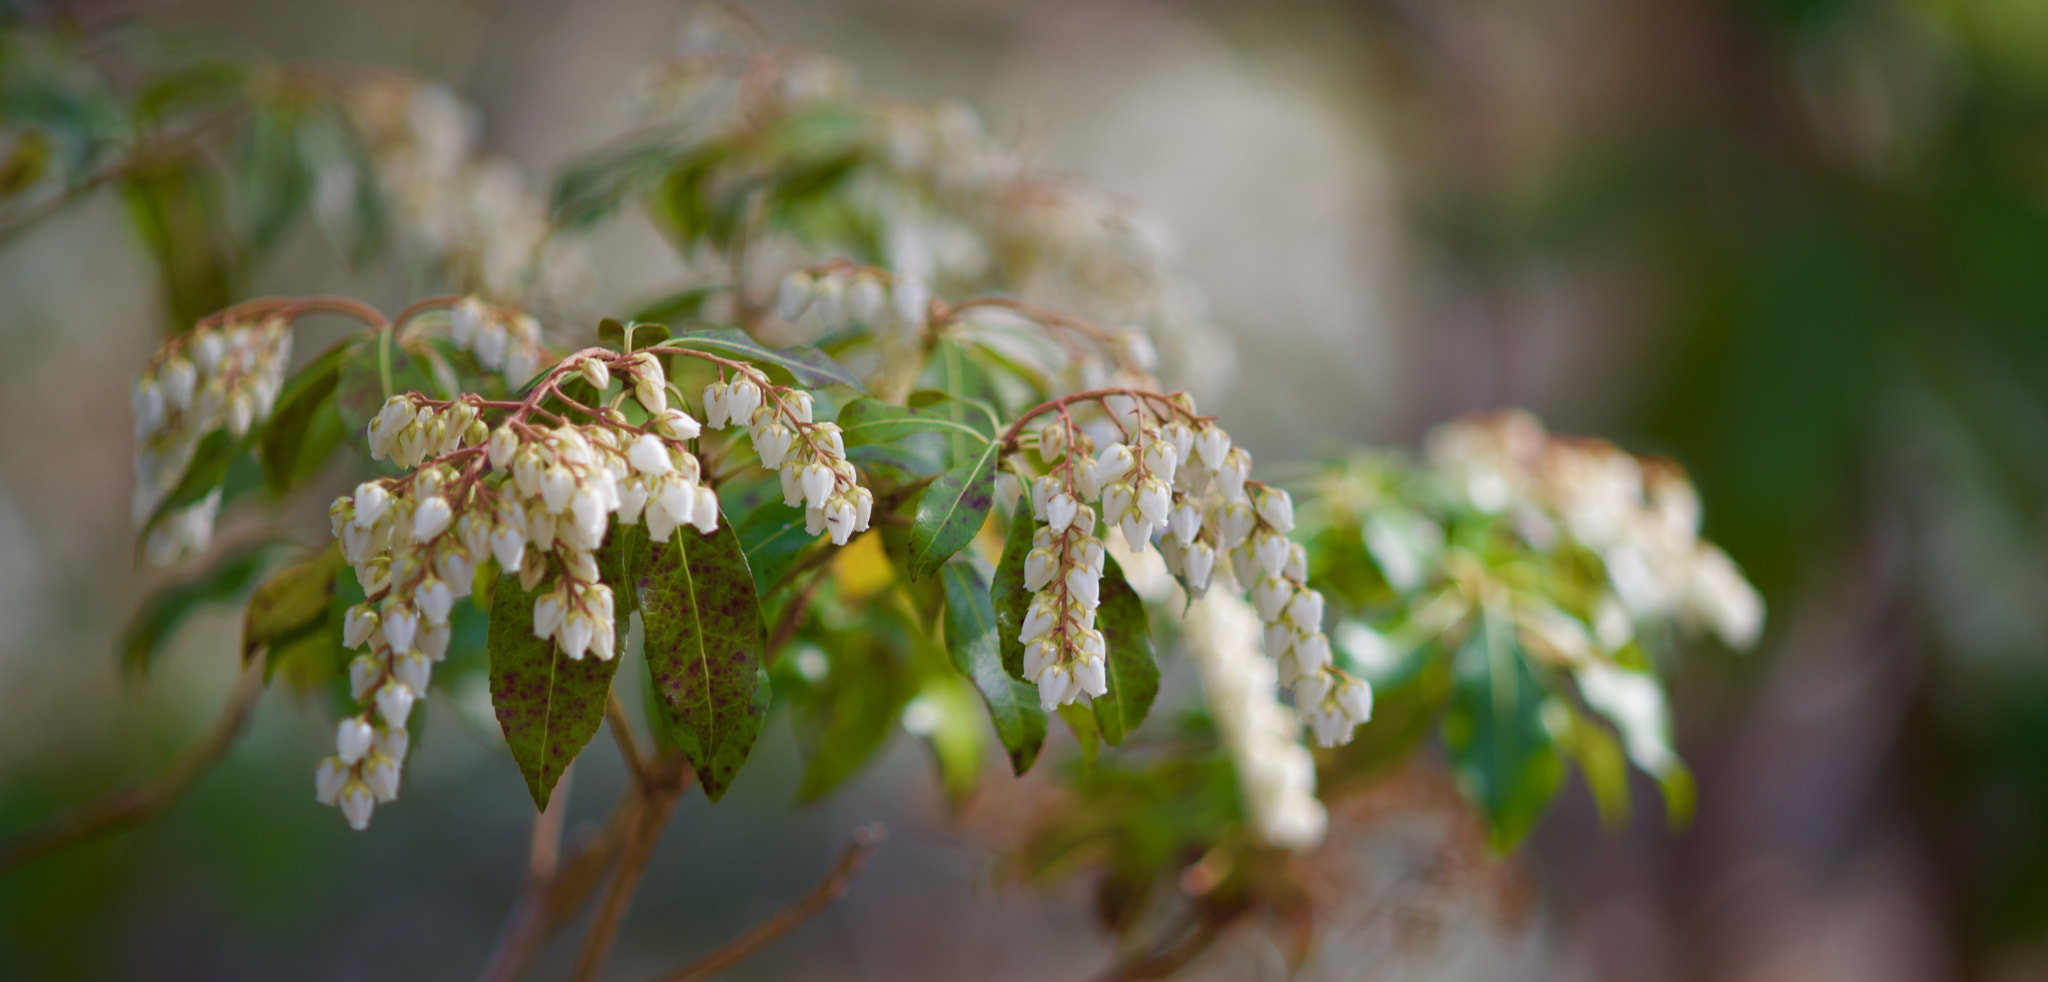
pixel 548 705
pixel 865 421
pixel 808 367
pixel 901 464
pixel 293 601
pixel 274 183
pixel 772 534
pixel 208 470
pixel 1082 723
pixel 301 431
pixel 951 510
pixel 589 191
pixel 1600 760
pixel 359 395
pixel 1007 594
pixel 850 715
pixel 703 637
pixel 945 715
pixel 176 206
pixel 1132 673
pixel 676 308
pixel 1501 750
pixel 160 616
pixel 974 641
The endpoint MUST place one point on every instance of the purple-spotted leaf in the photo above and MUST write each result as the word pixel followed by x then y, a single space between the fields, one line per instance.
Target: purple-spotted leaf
pixel 951 510
pixel 548 705
pixel 974 641
pixel 702 618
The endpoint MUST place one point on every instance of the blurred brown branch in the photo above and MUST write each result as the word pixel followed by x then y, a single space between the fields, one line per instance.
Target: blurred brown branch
pixel 138 804
pixel 828 890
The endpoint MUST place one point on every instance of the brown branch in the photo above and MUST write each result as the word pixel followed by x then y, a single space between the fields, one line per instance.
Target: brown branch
pixel 1169 957
pixel 551 899
pixel 641 834
pixel 791 621
pixel 827 891
pixel 629 749
pixel 140 803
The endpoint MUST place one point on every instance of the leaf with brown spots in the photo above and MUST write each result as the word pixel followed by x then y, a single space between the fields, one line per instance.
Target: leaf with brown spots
pixel 548 705
pixel 702 618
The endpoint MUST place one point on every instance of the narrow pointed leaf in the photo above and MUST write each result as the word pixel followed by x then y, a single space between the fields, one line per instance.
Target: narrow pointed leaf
pixel 1132 674
pixel 807 366
pixel 865 421
pixel 548 705
pixel 294 600
pixel 702 616
pixel 1504 757
pixel 1007 594
pixel 974 641
pixel 304 428
pixel 160 616
pixel 951 510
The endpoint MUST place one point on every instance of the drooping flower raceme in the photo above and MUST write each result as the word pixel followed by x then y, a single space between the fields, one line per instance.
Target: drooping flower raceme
pixel 1275 774
pixel 1174 478
pixel 218 376
pixel 1641 516
pixel 538 500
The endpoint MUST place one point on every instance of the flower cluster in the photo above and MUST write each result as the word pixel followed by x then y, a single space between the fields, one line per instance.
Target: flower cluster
pixel 502 340
pixel 1174 476
pixel 536 499
pixel 1641 516
pixel 956 205
pixel 484 230
pixel 1263 737
pixel 810 456
pixel 216 376
pixel 842 295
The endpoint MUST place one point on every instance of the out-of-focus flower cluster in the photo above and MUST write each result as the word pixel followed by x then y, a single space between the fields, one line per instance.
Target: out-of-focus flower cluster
pixel 1641 516
pixel 504 341
pixel 1274 771
pixel 1168 475
pixel 956 208
pixel 224 376
pixel 471 214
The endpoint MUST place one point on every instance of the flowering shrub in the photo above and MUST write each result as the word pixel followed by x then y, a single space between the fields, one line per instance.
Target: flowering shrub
pixel 879 461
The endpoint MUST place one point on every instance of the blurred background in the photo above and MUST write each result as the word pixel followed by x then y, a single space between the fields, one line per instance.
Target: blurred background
pixel 1799 245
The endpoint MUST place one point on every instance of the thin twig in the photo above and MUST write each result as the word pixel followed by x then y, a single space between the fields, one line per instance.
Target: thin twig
pixel 550 901
pixel 828 890
pixel 622 732
pixel 641 835
pixel 791 621
pixel 1169 957
pixel 137 804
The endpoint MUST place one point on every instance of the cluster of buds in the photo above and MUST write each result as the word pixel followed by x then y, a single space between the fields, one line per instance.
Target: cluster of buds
pixel 1274 771
pixel 216 376
pixel 809 456
pixel 504 341
pixel 1640 515
pixel 470 214
pixel 842 295
pixel 1064 654
pixel 1175 478
pixel 413 566
pixel 536 499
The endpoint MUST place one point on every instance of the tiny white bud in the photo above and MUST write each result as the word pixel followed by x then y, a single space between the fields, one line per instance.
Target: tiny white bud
pixel 328 780
pixel 431 518
pixel 352 739
pixel 394 703
pixel 356 804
